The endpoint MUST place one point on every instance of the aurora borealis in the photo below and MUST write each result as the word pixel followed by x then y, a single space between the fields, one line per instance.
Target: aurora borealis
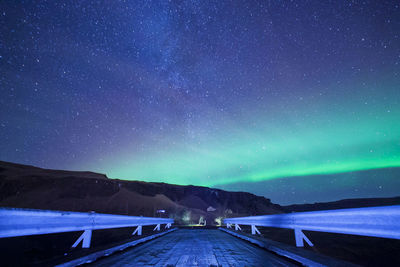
pixel 231 94
pixel 262 153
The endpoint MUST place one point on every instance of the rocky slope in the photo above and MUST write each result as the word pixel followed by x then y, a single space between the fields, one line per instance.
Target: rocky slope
pixel 24 186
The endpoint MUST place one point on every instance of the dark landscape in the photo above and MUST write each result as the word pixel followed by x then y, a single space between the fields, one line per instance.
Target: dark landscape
pixel 30 187
pixel 24 186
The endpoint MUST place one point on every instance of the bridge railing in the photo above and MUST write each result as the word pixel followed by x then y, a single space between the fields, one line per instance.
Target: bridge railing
pixel 23 222
pixel 373 221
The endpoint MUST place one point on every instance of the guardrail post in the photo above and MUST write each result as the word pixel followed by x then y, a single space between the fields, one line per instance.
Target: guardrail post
pixel 254 230
pixel 138 230
pixel 85 237
pixel 167 226
pixel 157 227
pixel 237 227
pixel 228 225
pixel 300 236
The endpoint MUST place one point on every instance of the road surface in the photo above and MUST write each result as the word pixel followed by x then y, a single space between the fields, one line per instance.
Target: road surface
pixel 200 247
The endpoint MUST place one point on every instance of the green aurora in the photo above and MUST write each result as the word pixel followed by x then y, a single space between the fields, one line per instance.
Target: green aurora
pixel 364 135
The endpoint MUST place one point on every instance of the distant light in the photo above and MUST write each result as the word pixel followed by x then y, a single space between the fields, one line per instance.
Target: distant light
pixel 210 208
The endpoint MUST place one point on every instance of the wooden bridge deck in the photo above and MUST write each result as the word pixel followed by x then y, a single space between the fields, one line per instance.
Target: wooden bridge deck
pixel 187 247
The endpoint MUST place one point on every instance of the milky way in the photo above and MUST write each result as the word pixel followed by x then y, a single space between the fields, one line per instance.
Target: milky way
pixel 211 94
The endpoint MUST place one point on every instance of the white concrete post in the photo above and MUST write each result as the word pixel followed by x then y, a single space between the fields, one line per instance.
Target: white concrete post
pixel 138 230
pixel 300 236
pixel 85 237
pixel 254 230
pixel 157 227
pixel 237 227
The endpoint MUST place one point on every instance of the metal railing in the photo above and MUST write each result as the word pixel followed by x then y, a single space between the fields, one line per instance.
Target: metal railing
pixel 373 221
pixel 23 222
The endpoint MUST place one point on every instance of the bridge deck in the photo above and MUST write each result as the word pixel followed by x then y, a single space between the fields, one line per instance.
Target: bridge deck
pixel 194 248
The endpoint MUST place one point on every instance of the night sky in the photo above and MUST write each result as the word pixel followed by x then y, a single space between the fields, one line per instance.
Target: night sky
pixel 295 100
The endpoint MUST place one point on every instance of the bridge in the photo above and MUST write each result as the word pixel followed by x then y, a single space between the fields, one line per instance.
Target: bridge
pixel 168 246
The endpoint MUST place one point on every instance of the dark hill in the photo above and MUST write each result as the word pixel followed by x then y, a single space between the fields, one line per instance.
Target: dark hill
pixel 24 186
pixel 344 204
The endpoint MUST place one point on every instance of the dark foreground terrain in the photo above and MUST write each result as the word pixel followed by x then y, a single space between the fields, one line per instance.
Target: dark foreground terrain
pixel 51 249
pixel 361 250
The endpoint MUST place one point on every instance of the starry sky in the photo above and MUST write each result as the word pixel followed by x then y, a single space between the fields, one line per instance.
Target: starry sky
pixel 295 100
